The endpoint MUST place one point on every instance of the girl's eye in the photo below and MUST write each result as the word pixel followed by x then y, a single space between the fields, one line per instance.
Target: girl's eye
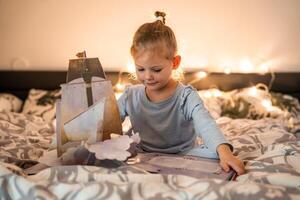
pixel 140 69
pixel 157 70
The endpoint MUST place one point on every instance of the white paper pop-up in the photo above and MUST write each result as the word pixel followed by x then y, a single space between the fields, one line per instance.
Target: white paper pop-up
pixel 87 111
pixel 116 148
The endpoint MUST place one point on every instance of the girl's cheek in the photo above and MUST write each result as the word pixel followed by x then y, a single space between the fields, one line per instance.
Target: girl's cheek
pixel 139 76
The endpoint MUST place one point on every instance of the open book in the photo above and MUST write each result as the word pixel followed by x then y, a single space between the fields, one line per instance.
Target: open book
pixel 181 164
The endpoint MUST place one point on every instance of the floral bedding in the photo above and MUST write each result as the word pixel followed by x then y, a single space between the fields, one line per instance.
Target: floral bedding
pixel 10 102
pixel 41 103
pixel 268 143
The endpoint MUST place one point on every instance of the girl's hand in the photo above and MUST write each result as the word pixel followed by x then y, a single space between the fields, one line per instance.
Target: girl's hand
pixel 228 160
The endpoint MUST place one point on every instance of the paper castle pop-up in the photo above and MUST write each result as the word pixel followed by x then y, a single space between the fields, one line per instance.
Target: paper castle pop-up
pixel 87 111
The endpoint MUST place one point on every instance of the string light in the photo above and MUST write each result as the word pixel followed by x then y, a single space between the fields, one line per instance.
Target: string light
pixel 267 104
pixel 246 66
pixel 130 67
pixel 207 94
pixel 227 70
pixel 263 69
pixel 260 97
pixel 225 65
pixel 200 75
pixel 216 93
pixel 120 86
pixel 252 91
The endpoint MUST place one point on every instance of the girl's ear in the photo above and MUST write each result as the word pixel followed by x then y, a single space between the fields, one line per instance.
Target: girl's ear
pixel 176 61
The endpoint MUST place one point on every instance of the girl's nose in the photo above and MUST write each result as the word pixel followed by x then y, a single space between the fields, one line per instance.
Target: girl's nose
pixel 148 75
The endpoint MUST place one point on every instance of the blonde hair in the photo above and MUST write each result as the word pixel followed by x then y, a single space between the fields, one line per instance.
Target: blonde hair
pixel 151 36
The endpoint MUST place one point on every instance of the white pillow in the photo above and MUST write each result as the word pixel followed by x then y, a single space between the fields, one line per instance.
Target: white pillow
pixel 9 102
pixel 41 103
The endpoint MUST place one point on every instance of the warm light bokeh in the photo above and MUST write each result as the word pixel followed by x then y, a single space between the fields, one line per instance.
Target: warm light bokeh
pixel 206 32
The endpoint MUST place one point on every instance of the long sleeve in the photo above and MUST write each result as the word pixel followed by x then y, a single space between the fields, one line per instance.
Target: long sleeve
pixel 122 102
pixel 204 125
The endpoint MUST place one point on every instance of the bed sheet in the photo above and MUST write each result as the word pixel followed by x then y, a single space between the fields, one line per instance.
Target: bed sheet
pixel 269 146
pixel 272 156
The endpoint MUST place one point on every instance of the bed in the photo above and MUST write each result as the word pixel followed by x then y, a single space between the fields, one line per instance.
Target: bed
pixel 266 136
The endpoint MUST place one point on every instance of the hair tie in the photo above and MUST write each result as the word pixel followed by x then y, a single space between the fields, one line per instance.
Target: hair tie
pixel 161 18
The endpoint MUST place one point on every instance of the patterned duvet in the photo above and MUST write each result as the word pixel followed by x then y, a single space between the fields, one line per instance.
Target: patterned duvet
pixel 269 146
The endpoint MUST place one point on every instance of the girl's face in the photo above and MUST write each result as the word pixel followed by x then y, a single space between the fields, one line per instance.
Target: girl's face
pixel 153 69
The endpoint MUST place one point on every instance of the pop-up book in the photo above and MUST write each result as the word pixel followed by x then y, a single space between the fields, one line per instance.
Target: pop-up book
pixel 87 112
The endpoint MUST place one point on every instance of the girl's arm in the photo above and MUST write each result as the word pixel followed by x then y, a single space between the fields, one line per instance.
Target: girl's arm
pixel 208 130
pixel 122 101
pixel 214 139
pixel 205 126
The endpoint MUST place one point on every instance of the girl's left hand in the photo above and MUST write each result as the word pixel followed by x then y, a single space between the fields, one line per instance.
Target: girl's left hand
pixel 228 160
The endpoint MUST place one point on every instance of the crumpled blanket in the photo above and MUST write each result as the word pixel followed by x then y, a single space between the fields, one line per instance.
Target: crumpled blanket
pixel 269 147
pixel 88 182
pixel 271 153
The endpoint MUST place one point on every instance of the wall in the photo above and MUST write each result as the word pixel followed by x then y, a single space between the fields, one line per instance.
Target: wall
pixel 212 34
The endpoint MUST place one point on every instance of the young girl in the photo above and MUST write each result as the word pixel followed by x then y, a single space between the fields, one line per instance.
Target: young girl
pixel 169 115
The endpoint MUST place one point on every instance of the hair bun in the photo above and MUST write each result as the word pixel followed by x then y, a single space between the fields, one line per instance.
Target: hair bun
pixel 160 16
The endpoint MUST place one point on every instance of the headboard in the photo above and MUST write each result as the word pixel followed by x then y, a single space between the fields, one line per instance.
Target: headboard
pixel 19 82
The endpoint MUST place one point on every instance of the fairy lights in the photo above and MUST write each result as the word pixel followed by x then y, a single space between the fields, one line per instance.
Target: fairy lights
pixel 200 75
pixel 207 94
pixel 216 93
pixel 246 66
pixel 227 66
pixel 227 70
pixel 213 92
pixel 263 69
pixel 267 104
pixel 130 67
pixel 252 91
pixel 120 86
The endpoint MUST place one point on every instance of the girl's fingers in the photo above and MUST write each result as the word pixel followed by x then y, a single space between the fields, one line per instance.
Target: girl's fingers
pixel 225 166
pixel 234 163
pixel 238 167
